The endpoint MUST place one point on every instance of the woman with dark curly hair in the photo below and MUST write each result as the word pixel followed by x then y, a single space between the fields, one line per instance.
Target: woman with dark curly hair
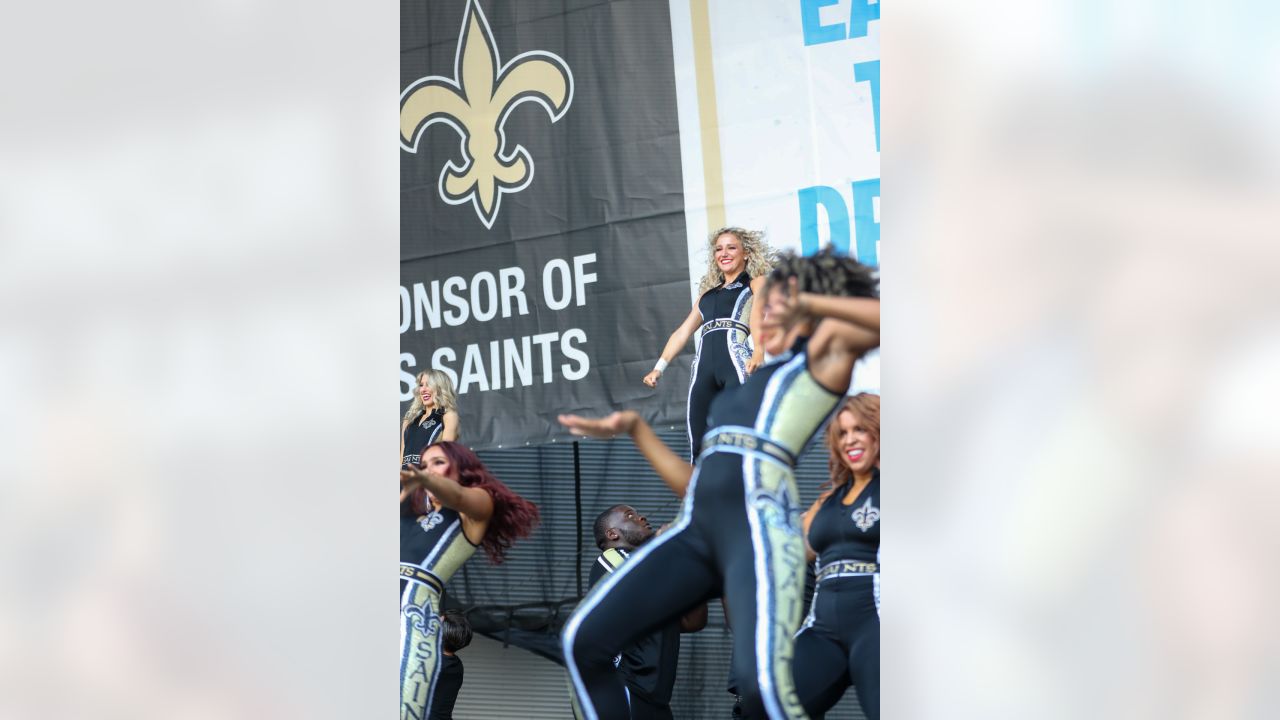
pixel 738 532
pixel 839 644
pixel 727 323
pixel 449 505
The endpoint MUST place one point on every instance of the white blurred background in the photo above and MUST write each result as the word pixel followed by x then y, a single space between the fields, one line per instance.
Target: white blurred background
pixel 198 262
pixel 1079 355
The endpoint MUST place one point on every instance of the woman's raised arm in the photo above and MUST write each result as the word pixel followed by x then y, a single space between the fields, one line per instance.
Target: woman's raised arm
pixel 672 468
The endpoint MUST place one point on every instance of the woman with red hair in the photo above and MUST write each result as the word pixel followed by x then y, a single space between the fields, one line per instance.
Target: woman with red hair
pixel 449 506
pixel 839 643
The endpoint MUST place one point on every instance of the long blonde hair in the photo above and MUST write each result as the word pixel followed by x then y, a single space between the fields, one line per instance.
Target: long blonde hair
pixel 441 391
pixel 760 257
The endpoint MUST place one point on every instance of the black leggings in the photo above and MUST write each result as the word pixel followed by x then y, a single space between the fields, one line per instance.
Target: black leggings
pixel 720 543
pixel 714 369
pixel 839 646
pixel 642 709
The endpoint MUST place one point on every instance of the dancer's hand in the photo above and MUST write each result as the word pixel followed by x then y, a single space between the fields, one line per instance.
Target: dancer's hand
pixel 411 479
pixel 652 378
pixel 757 359
pixel 606 427
pixel 414 477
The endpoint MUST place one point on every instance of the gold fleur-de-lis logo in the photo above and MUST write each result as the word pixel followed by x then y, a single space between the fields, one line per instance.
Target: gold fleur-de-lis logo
pixel 476 103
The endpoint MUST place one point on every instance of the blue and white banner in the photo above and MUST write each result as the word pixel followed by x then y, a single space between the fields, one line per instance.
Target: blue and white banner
pixel 779 108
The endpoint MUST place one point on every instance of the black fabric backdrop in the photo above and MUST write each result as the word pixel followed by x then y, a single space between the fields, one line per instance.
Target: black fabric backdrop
pixel 606 180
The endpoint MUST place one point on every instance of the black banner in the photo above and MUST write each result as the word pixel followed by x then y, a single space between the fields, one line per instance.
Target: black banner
pixel 542 231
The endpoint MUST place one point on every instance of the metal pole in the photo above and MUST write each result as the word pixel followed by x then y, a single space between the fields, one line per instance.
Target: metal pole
pixel 577 502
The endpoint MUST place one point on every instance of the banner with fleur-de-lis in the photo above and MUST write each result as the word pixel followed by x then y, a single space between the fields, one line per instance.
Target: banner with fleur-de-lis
pixel 543 236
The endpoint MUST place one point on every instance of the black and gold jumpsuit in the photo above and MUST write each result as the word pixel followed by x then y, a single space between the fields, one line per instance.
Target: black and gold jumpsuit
pixel 723 343
pixel 839 644
pixel 432 548
pixel 420 433
pixel 737 536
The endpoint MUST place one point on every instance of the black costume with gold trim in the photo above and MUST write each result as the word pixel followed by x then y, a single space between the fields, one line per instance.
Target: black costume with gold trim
pixel 649 666
pixel 432 548
pixel 723 344
pixel 839 644
pixel 419 433
pixel 737 535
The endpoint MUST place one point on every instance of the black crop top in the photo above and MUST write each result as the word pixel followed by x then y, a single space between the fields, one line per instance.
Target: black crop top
pixel 848 532
pixel 419 434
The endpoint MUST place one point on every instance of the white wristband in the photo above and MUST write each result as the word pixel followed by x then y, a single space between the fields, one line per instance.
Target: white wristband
pixel 661 365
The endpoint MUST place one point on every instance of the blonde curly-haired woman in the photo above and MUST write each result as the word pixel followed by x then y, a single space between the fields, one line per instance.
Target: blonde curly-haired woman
pixel 726 321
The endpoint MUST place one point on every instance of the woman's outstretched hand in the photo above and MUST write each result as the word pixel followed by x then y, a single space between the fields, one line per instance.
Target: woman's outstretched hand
pixel 617 423
pixel 414 477
pixel 757 359
pixel 411 478
pixel 652 378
